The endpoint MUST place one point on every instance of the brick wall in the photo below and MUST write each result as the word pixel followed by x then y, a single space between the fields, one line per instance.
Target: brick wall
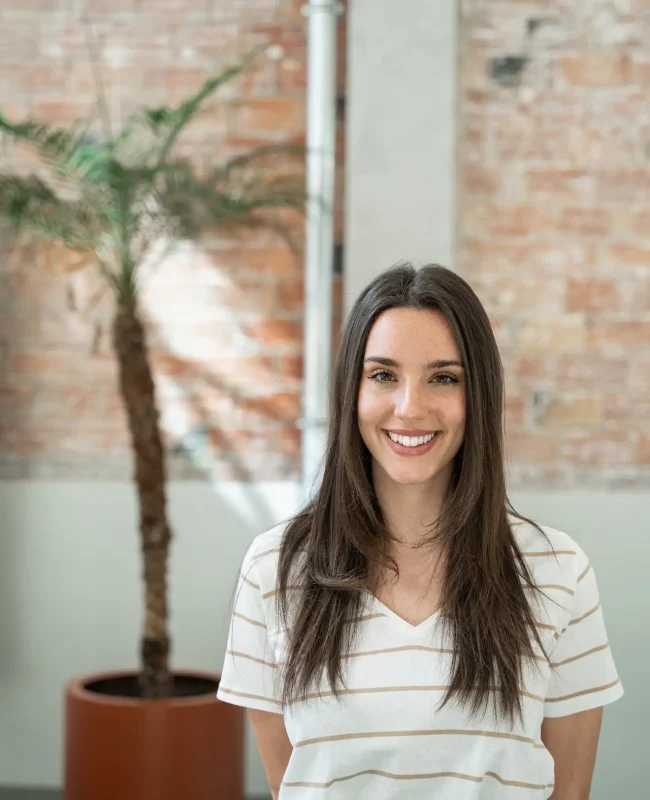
pixel 554 227
pixel 554 233
pixel 225 320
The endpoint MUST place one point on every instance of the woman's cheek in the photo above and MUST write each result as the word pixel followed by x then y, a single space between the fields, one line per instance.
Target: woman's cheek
pixel 365 406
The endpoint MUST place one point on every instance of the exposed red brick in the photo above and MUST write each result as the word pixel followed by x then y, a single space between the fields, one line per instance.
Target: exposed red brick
pixel 515 294
pixel 292 70
pixel 588 370
pixel 642 223
pixel 515 409
pixel 620 409
pixel 592 296
pixel 75 438
pixel 276 332
pixel 291 367
pixel 532 448
pixel 271 260
pixel 475 67
pixel 623 185
pixel 588 221
pixel 280 406
pixel 504 257
pixel 479 180
pixel 621 335
pixel 639 376
pixel 558 334
pixel 59 365
pixel 571 412
pixel 171 365
pixel 290 438
pixel 236 370
pixel 160 6
pixel 554 217
pixel 256 295
pixel 541 142
pixel 31 5
pixel 641 72
pixel 35 76
pixel 201 39
pixel 601 450
pixel 596 69
pixel 558 248
pixel 241 440
pixel 62 112
pixel 271 114
pixel 157 53
pixel 292 295
pixel 629 256
pixel 16 109
pixel 535 367
pixel 337 296
pixel 643 449
pixel 573 182
pixel 639 295
pixel 497 220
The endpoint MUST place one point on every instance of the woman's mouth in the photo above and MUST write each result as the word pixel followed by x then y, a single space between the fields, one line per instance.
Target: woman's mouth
pixel 411 445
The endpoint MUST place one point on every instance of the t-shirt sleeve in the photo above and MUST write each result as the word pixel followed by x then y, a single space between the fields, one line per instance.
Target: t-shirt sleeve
pixel 249 676
pixel 585 675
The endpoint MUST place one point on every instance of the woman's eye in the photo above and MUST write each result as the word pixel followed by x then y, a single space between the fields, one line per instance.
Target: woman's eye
pixel 446 380
pixel 381 376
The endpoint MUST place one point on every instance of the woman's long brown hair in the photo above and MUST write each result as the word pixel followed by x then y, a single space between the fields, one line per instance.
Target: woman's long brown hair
pixel 330 548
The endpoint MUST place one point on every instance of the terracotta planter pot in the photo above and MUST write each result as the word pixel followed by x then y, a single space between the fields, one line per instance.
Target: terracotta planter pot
pixel 121 747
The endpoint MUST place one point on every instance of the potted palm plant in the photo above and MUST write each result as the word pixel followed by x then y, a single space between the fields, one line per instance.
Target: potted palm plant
pixel 151 734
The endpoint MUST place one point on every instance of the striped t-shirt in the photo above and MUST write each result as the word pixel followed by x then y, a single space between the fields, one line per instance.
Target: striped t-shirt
pixel 385 738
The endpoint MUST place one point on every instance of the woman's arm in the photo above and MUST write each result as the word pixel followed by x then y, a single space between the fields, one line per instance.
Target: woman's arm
pixel 273 744
pixel 573 741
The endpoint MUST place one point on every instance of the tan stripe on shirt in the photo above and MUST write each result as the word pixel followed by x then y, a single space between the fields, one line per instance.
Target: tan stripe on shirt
pixel 417 777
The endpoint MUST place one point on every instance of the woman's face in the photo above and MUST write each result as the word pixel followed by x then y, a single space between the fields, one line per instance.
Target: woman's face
pixel 412 384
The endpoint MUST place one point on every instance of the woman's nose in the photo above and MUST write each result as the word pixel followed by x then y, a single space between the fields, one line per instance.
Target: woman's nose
pixel 411 403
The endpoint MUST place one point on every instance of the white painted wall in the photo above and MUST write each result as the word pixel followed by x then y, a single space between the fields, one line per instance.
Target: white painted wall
pixel 70 597
pixel 614 530
pixel 70 602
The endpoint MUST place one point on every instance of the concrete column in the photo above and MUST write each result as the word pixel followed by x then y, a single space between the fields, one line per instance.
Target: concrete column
pixel 401 112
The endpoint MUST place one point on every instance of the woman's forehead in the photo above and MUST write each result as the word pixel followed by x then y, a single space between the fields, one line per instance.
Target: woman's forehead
pixel 420 336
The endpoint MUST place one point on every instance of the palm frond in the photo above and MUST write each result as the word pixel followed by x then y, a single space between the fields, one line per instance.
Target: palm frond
pixel 116 198
pixel 260 157
pixel 51 142
pixel 73 153
pixel 168 123
pixel 29 206
pixel 223 199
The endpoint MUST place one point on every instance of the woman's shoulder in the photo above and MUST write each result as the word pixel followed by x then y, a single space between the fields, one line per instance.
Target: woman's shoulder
pixel 549 550
pixel 265 544
pixel 262 555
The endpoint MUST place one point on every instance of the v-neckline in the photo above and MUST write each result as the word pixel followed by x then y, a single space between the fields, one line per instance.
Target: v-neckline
pixel 400 621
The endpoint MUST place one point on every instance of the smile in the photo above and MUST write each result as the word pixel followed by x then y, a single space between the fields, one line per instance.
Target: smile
pixel 412 445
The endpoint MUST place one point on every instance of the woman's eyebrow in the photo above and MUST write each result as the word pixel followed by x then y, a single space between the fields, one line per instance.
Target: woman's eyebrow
pixel 438 364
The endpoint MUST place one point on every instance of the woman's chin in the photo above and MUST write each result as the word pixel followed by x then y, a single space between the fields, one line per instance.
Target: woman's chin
pixel 411 477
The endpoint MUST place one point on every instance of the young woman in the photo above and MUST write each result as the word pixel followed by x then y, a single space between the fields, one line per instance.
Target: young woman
pixel 408 634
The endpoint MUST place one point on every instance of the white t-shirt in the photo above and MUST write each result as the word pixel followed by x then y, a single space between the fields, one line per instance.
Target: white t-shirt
pixel 386 739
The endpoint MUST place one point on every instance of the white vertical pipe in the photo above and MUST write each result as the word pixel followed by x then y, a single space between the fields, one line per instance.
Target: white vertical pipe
pixel 321 138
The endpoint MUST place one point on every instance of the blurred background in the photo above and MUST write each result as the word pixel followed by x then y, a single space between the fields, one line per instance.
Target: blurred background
pixel 507 139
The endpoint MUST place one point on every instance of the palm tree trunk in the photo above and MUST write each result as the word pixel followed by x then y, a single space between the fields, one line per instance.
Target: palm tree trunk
pixel 137 387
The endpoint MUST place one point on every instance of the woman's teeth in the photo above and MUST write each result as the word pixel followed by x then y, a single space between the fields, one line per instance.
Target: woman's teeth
pixel 411 441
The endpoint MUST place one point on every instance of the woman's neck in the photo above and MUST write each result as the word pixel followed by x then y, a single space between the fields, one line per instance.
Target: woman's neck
pixel 410 510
